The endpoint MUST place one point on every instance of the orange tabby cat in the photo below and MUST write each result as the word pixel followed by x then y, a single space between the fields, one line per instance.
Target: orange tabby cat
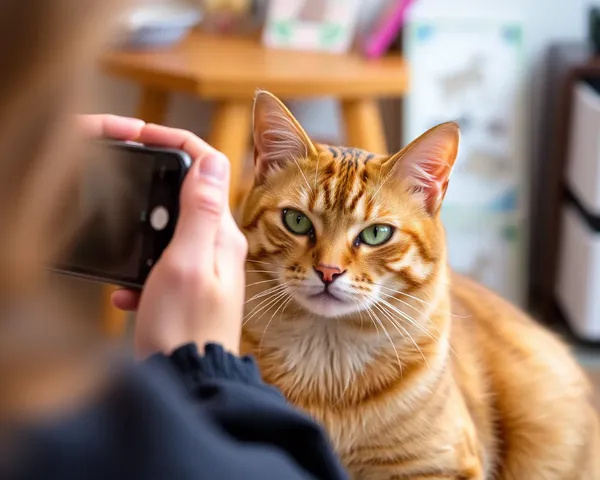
pixel 416 373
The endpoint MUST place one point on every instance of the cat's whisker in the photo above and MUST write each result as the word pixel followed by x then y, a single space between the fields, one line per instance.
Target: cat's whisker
pixel 317 171
pixel 288 301
pixel 420 300
pixel 414 322
pixel 359 311
pixel 268 291
pixel 409 317
pixel 382 184
pixel 262 281
pixel 404 331
pixel 250 314
pixel 302 173
pixel 272 272
pixel 268 302
pixel 273 302
pixel 404 302
pixel 262 295
pixel 397 324
pixel 370 313
pixel 261 262
pixel 390 339
pixel 400 292
pixel 283 303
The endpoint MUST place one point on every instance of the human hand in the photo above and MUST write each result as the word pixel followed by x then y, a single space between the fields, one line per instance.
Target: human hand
pixel 195 291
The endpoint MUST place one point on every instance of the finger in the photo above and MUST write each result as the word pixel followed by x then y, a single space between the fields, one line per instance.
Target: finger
pixel 111 126
pixel 127 300
pixel 203 200
pixel 231 249
pixel 176 138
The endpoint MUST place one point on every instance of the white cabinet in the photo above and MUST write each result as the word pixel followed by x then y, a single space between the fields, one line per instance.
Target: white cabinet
pixel 578 285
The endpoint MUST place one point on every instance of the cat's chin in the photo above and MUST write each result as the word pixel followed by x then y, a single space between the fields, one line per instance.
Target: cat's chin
pixel 326 305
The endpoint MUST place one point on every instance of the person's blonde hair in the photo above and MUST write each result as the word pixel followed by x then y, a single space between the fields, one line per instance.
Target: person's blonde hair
pixel 48 53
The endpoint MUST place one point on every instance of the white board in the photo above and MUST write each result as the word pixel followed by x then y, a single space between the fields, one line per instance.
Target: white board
pixel 471 70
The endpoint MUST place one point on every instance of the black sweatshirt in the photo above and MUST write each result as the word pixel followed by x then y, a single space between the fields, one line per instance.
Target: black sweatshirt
pixel 182 417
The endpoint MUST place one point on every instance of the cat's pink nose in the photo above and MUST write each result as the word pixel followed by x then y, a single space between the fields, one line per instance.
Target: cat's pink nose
pixel 328 273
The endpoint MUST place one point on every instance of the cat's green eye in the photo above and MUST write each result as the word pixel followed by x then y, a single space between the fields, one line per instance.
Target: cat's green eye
pixel 376 234
pixel 296 222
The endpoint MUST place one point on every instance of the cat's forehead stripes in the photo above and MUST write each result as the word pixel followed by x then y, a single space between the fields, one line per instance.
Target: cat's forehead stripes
pixel 342 187
pixel 350 154
pixel 343 193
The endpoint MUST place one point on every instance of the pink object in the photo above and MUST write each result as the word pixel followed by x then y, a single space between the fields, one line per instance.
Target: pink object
pixel 328 273
pixel 381 37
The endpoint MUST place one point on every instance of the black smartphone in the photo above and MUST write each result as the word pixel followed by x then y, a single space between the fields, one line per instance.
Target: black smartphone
pixel 129 208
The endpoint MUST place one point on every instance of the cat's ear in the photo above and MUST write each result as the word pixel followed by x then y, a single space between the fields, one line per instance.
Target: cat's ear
pixel 278 137
pixel 424 166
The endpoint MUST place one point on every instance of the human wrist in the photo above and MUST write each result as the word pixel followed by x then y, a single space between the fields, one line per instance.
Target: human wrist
pixel 209 363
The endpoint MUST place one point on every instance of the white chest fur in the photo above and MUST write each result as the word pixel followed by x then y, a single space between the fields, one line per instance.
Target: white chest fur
pixel 322 350
pixel 319 362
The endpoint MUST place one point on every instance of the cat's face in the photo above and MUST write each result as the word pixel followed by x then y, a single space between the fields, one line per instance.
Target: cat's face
pixel 341 229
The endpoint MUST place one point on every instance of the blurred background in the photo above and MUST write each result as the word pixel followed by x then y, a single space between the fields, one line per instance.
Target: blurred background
pixel 520 76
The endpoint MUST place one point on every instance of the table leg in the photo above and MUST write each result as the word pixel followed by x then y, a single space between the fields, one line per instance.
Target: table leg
pixel 152 109
pixel 364 128
pixel 230 133
pixel 153 105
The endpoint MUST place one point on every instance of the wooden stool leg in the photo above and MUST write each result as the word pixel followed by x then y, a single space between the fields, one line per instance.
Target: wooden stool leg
pixel 152 109
pixel 230 132
pixel 153 105
pixel 364 128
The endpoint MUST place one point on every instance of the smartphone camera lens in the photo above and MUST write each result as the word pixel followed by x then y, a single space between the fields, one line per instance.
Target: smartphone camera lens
pixel 159 218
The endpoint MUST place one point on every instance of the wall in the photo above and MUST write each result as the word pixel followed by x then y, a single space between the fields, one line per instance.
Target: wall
pixel 545 21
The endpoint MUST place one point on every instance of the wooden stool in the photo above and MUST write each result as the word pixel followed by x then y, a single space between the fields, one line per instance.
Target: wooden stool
pixel 228 70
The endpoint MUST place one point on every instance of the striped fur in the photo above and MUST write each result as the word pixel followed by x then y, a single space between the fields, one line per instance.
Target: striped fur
pixel 416 373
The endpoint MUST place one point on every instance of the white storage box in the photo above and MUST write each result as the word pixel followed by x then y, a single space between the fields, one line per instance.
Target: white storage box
pixel 583 161
pixel 578 283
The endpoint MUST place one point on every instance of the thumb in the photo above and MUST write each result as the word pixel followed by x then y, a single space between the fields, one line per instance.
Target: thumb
pixel 203 200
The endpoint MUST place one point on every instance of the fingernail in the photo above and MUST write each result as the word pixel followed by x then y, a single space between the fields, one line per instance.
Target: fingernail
pixel 213 167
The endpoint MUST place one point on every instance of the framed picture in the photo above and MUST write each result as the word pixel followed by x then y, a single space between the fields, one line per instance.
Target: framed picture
pixel 471 70
pixel 321 25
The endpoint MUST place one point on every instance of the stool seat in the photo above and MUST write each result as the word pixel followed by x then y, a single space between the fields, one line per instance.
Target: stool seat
pixel 217 67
